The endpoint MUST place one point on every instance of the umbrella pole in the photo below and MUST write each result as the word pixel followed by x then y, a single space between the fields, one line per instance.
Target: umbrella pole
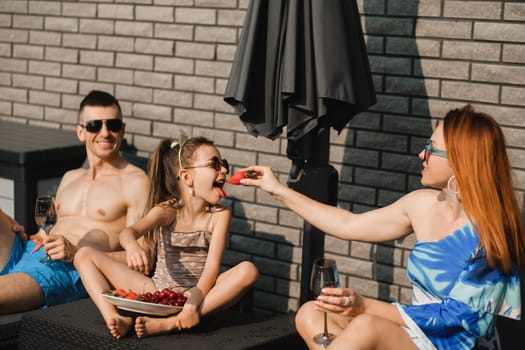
pixel 318 180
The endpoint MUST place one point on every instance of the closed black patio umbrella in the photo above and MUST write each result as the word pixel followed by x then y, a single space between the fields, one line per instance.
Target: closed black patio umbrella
pixel 302 66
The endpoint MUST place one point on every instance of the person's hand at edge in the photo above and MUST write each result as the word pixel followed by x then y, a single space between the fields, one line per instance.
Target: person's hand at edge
pixel 265 179
pixel 19 229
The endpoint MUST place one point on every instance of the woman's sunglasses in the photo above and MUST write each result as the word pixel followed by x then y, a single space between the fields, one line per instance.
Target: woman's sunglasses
pixel 95 125
pixel 429 149
pixel 214 163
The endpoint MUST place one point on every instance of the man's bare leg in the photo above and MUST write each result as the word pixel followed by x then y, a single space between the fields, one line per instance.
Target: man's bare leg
pixel 7 237
pixel 19 292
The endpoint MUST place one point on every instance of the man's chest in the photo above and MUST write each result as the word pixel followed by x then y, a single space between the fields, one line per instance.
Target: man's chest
pixel 99 200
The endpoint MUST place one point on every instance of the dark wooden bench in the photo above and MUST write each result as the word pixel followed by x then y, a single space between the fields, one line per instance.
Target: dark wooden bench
pixel 79 325
pixel 29 154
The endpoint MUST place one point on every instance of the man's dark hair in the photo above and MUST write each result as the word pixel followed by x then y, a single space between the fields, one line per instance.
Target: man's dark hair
pixel 100 98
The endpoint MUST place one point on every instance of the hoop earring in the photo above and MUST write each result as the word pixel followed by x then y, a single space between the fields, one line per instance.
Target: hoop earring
pixel 448 184
pixel 450 188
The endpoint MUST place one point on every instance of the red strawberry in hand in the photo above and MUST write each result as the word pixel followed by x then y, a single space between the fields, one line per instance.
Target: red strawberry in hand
pixel 236 178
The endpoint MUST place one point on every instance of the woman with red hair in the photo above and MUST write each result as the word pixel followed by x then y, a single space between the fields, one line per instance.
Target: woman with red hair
pixel 464 265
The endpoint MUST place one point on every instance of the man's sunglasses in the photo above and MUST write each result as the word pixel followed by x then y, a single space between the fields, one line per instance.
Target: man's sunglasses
pixel 95 125
pixel 214 163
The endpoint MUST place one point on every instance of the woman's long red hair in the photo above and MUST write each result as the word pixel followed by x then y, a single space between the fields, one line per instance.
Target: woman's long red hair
pixel 478 157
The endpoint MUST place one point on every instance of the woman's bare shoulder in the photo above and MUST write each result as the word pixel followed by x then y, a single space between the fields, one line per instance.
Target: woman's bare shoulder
pixel 417 200
pixel 423 194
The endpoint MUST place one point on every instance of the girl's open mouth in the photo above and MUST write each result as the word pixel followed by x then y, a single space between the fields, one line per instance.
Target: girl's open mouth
pixel 217 186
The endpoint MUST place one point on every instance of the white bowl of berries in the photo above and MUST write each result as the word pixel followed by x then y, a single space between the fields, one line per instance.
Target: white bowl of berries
pixel 163 302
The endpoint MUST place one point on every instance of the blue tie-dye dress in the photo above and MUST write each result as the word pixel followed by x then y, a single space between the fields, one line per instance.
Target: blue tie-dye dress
pixel 456 296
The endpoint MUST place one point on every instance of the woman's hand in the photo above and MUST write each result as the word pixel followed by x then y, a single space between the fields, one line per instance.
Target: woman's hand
pixel 343 301
pixel 264 179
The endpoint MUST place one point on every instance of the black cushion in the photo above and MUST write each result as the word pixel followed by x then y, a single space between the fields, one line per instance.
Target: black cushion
pixel 79 325
pixel 9 325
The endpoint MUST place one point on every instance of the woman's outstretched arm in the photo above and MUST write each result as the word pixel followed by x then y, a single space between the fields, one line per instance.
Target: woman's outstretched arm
pixel 384 224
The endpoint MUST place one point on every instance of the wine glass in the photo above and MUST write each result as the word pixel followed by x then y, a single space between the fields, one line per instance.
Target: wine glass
pixel 324 274
pixel 45 217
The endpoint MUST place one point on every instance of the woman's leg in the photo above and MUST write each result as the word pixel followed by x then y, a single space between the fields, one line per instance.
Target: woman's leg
pixel 372 332
pixel 309 322
pixel 362 332
pixel 99 273
pixel 228 289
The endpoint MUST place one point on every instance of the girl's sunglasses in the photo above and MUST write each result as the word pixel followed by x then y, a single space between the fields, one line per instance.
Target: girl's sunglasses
pixel 93 126
pixel 214 163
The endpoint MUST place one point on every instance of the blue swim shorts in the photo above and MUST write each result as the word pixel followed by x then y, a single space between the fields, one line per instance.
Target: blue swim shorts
pixel 59 280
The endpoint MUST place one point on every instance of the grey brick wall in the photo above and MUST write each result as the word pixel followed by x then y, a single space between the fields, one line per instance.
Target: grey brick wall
pixel 168 61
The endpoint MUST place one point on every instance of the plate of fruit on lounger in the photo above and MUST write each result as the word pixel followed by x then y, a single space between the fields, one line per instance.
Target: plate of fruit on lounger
pixel 159 303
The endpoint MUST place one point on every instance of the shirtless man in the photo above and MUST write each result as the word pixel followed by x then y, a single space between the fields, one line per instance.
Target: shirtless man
pixel 93 206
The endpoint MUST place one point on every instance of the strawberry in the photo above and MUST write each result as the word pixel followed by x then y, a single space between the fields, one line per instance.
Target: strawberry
pixel 131 295
pixel 236 178
pixel 119 293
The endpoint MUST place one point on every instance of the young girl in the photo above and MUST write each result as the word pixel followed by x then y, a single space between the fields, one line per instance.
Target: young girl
pixel 189 230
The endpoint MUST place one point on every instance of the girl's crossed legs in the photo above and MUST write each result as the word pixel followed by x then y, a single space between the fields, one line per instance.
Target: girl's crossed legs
pixel 100 273
pixel 229 288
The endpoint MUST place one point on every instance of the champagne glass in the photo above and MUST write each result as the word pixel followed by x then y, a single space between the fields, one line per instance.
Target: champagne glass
pixel 45 217
pixel 324 274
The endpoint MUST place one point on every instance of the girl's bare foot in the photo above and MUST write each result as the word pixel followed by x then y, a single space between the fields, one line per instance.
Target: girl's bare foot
pixel 119 326
pixel 146 326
